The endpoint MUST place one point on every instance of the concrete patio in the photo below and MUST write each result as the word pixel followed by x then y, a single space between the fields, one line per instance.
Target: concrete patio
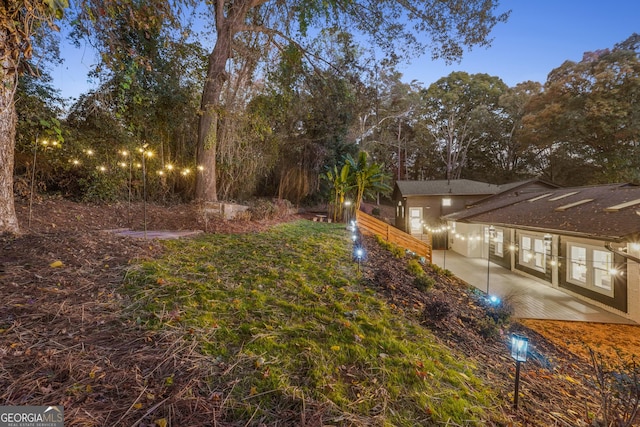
pixel 532 299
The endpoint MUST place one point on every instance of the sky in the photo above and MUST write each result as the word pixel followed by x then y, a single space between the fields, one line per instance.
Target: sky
pixel 538 37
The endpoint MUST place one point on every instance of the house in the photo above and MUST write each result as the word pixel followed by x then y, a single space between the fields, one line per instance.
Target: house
pixel 584 241
pixel 421 204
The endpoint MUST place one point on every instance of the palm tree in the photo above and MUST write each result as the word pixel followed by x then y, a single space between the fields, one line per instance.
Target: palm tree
pixel 367 178
pixel 340 184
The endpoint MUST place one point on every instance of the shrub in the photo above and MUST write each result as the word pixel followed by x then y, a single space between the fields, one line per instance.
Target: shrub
pixel 395 250
pixel 99 188
pixel 424 283
pixel 269 209
pixel 441 271
pixel 375 211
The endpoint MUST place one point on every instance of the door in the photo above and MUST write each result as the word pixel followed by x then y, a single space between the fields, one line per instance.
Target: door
pixel 415 220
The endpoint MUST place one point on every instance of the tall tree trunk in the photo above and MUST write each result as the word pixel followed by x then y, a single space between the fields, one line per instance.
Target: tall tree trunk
pixel 211 107
pixel 208 135
pixel 8 81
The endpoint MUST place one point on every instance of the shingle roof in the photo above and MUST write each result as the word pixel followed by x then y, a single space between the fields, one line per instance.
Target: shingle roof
pixel 584 211
pixel 443 187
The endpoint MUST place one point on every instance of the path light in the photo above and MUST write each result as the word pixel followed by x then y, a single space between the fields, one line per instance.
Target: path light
pixel 519 348
pixel 494 300
pixel 358 253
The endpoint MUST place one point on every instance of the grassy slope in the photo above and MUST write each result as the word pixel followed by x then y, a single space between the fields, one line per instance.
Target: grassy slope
pixel 285 313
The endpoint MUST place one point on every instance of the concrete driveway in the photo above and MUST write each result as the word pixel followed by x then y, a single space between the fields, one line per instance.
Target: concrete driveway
pixel 530 298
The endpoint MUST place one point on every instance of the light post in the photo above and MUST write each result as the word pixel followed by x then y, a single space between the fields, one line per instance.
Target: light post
pixel 492 231
pixel 145 153
pixel 519 348
pixel 126 155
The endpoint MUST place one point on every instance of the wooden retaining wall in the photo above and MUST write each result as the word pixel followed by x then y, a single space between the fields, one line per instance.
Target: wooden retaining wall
pixel 371 225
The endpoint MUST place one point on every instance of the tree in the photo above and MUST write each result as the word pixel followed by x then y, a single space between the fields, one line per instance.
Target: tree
pixel 456 108
pixel 367 178
pixel 20 20
pixel 393 25
pixel 587 118
pixel 503 156
pixel 339 185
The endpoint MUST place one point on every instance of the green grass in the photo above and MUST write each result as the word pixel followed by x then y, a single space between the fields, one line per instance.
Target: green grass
pixel 285 309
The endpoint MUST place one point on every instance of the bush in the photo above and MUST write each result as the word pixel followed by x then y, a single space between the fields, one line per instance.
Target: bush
pixel 375 212
pixel 441 271
pixel 395 250
pixel 421 280
pixel 269 209
pixel 99 188
pixel 424 283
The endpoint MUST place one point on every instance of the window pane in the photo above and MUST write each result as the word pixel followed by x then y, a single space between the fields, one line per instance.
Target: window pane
pixel 526 243
pixel 602 269
pixel 578 267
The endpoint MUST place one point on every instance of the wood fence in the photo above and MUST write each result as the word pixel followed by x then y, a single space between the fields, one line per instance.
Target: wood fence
pixel 389 233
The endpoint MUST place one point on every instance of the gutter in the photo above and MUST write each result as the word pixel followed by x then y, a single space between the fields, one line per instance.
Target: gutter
pixel 625 255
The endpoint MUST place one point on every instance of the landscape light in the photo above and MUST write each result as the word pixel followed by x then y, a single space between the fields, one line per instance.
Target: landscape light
pixel 519 349
pixel 169 167
pixel 200 168
pixel 89 152
pixel 76 162
pixel 494 300
pixel 358 253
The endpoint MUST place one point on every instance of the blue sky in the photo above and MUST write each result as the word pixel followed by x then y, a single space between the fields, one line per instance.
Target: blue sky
pixel 539 36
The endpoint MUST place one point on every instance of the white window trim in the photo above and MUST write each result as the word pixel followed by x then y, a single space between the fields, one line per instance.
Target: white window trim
pixel 523 253
pixel 590 269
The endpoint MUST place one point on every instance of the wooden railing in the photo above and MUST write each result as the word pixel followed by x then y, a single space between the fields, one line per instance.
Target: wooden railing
pixel 371 225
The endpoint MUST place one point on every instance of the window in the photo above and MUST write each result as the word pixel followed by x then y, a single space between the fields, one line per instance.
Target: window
pixel 533 252
pixel 446 201
pixel 499 243
pixel 590 267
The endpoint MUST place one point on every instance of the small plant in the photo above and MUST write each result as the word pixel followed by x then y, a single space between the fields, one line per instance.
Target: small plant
pixel 421 280
pixel 441 271
pixel 424 283
pixel 395 250
pixel 375 212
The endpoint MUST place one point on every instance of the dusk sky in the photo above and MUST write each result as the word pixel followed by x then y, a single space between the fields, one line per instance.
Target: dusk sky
pixel 539 36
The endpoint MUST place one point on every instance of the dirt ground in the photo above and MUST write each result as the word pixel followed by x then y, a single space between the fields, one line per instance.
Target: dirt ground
pixel 62 338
